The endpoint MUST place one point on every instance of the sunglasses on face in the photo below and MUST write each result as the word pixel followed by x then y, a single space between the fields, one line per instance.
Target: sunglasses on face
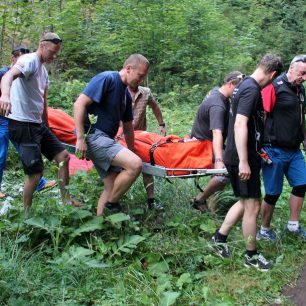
pixel 241 76
pixel 300 59
pixel 55 41
pixel 238 77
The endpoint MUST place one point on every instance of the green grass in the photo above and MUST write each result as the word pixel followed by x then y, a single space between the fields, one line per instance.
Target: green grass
pixel 60 255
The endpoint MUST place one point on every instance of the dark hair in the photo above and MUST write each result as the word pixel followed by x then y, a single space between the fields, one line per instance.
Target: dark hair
pixel 17 51
pixel 235 77
pixel 270 63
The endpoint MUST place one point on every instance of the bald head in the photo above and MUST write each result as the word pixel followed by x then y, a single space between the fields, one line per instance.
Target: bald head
pixel 135 60
pixel 51 37
pixel 49 46
pixel 297 70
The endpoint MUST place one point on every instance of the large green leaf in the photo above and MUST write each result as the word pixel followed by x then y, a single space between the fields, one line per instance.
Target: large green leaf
pixel 169 298
pixel 91 225
pixel 127 245
pixel 185 278
pixel 158 268
pixel 117 218
pixel 37 222
pixel 96 264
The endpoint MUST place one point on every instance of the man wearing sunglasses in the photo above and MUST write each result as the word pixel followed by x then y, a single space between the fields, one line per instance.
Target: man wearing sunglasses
pixel 24 101
pixel 4 132
pixel 284 104
pixel 211 123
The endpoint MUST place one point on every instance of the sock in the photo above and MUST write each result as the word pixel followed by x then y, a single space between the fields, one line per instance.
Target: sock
pixel 151 201
pixel 251 253
pixel 220 237
pixel 263 229
pixel 293 226
pixel 111 204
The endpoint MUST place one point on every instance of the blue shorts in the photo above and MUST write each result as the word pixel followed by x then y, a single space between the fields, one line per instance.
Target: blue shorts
pixel 290 163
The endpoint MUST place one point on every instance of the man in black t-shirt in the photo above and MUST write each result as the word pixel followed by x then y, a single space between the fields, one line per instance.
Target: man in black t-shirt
pixel 243 162
pixel 211 123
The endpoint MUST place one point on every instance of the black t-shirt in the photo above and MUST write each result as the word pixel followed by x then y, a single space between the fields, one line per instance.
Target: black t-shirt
pixel 212 115
pixel 246 101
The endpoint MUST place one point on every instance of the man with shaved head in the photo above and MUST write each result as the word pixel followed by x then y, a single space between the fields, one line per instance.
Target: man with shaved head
pixel 24 103
pixel 107 97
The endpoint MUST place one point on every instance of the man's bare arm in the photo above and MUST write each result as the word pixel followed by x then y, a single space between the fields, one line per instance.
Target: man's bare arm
pixel 159 116
pixel 128 131
pixel 6 84
pixel 79 110
pixel 218 148
pixel 241 140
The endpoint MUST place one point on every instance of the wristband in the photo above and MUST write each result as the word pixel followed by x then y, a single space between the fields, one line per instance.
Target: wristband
pixel 218 160
pixel 162 124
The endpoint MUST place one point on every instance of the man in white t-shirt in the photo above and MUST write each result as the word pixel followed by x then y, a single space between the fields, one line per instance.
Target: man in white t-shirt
pixel 24 103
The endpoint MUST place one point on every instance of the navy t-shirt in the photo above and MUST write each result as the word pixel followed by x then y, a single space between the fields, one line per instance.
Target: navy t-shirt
pixel 246 101
pixel 111 102
pixel 3 71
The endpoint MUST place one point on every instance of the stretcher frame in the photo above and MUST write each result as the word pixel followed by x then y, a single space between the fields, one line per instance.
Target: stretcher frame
pixel 163 172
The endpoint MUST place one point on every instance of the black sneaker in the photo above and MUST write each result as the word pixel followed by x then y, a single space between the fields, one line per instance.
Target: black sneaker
pixel 113 207
pixel 220 248
pixel 155 206
pixel 258 261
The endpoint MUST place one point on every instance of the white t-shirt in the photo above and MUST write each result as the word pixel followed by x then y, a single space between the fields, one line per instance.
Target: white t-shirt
pixel 27 91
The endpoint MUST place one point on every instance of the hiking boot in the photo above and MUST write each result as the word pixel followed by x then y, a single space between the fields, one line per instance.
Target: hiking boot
pixel 269 235
pixel 113 207
pixel 258 261
pixel 300 233
pixel 202 207
pixel 220 248
pixel 155 206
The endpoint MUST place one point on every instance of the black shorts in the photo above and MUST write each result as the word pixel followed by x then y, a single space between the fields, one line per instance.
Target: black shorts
pixel 251 188
pixel 34 139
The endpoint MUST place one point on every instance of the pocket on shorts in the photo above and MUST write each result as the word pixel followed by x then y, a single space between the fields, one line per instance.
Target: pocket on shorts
pixel 29 154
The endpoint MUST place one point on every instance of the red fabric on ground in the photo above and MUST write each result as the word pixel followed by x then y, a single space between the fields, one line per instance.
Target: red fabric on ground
pixel 76 165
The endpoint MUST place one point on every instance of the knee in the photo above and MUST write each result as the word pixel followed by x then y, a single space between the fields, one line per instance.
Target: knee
pixel 34 178
pixel 299 191
pixel 136 166
pixel 271 199
pixel 251 209
pixel 257 208
pixel 62 157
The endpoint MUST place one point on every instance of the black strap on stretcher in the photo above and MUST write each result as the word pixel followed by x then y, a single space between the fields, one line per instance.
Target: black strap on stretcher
pixel 157 144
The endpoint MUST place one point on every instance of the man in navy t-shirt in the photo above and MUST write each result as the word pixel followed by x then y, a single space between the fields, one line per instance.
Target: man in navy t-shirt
pixel 242 160
pixel 107 99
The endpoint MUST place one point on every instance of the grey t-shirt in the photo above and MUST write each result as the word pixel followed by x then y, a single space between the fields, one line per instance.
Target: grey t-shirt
pixel 27 91
pixel 212 114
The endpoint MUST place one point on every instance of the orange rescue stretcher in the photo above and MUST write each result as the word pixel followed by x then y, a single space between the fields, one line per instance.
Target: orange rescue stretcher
pixel 167 157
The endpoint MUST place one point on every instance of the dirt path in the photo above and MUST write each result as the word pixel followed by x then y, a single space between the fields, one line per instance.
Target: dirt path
pixel 297 294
